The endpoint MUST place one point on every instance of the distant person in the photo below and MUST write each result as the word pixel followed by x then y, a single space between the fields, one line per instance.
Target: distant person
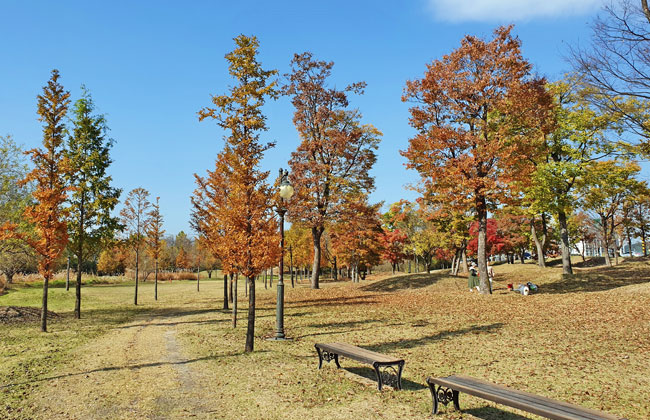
pixel 472 280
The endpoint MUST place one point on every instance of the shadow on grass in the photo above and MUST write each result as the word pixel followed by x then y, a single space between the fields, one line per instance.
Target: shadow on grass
pixel 400 344
pixel 369 373
pixel 492 413
pixel 409 281
pixel 336 301
pixel 130 367
pixel 598 280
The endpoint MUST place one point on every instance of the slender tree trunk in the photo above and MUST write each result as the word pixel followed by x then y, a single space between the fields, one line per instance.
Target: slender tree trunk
pixel 266 279
pixel 137 255
pixel 629 240
pixel 198 275
pixel 605 225
pixel 271 278
pixel 316 233
pixel 77 300
pixel 44 307
pixel 67 276
pixel 538 244
pixel 481 210
pixel 234 302
pixel 335 271
pixel 464 259
pixel 230 285
pixel 643 242
pixel 225 291
pixel 564 243
pixel 250 331
pixel 155 288
pixel 291 265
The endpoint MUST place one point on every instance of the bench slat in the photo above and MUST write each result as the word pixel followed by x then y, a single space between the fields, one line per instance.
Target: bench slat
pixel 532 403
pixel 357 353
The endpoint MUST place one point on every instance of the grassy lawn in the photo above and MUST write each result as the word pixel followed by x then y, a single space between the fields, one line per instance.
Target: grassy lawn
pixel 584 339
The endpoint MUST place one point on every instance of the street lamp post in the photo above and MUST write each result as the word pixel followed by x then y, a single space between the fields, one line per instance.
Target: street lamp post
pixel 286 192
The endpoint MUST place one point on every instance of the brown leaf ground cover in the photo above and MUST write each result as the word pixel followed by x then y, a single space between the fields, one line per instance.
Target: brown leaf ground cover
pixel 583 339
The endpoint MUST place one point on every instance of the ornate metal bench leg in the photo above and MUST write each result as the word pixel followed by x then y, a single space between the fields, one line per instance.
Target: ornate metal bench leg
pixel 320 357
pixel 434 397
pixel 379 381
pixel 399 375
pixel 336 359
pixel 455 399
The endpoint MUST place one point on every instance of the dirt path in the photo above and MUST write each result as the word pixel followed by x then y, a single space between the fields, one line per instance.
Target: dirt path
pixel 138 371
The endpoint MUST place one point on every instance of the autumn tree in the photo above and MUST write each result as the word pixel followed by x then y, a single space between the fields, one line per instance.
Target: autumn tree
pixel 247 215
pixel 92 198
pixel 47 214
pixel 208 199
pixel 112 259
pixel 581 230
pixel 393 242
pixel 154 233
pixel 579 136
pixel 616 66
pixel 136 219
pixel 641 216
pixel 356 237
pixel 336 151
pixel 15 255
pixel 604 190
pixel 477 112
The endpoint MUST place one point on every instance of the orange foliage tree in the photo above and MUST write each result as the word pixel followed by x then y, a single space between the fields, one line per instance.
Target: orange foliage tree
pixel 356 237
pixel 245 215
pixel 50 235
pixel 336 151
pixel 477 112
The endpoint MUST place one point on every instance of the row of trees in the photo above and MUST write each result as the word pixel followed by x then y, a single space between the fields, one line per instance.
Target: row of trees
pixel 67 198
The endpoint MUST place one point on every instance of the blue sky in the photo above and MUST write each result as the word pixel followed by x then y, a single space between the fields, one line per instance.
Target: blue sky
pixel 151 65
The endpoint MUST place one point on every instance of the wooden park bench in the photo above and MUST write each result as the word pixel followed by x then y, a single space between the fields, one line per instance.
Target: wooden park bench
pixel 448 388
pixel 384 365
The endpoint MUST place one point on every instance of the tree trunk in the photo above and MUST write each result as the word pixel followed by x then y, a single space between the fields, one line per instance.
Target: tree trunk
pixel 481 210
pixel 225 291
pixel 629 241
pixel 230 286
pixel 393 267
pixel 234 302
pixel 198 275
pixel 316 234
pixel 44 307
pixel 137 255
pixel 271 278
pixel 603 221
pixel 335 271
pixel 77 299
pixel 538 244
pixel 209 274
pixel 464 259
pixel 643 243
pixel 155 287
pixel 564 243
pixel 250 331
pixel 291 265
pixel 67 276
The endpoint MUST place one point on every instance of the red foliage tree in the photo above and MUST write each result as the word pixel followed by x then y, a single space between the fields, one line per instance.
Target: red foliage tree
pixel 394 242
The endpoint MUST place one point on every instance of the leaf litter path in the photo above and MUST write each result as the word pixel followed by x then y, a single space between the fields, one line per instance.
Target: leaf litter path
pixel 138 370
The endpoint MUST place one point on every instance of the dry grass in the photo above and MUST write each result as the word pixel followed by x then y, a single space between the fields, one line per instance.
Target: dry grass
pixel 584 339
